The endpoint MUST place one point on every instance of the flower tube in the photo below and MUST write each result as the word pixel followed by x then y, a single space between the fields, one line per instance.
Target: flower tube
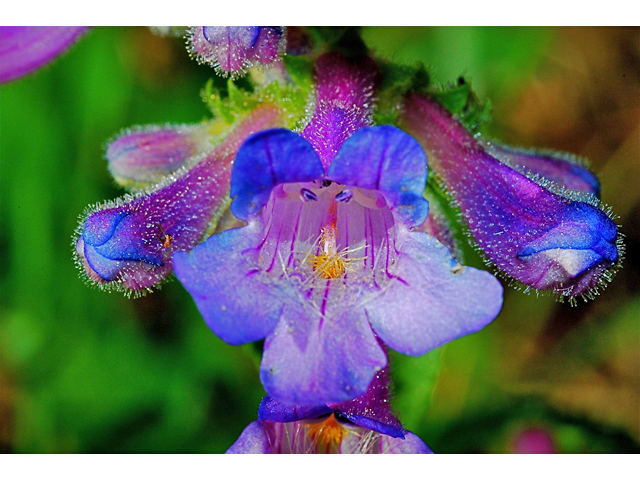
pixel 145 155
pixel 563 169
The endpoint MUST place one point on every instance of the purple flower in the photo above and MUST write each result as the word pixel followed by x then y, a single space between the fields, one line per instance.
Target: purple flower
pixel 541 233
pixel 25 49
pixel 232 50
pixel 126 245
pixel 362 425
pixel 328 264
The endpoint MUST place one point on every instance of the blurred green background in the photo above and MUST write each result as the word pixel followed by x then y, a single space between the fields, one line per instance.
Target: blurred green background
pixel 87 371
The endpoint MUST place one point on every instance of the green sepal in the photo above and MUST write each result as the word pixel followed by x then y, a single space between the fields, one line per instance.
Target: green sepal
pixel 242 102
pixel 300 70
pixel 213 97
pixel 290 98
pixel 396 81
pixel 462 102
pixel 235 103
pixel 454 98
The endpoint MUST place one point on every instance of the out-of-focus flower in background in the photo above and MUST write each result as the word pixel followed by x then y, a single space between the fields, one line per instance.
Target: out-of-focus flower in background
pixel 25 49
pixel 533 440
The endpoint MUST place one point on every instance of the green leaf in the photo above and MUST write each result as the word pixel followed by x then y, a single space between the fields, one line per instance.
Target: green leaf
pixel 461 101
pixel 396 81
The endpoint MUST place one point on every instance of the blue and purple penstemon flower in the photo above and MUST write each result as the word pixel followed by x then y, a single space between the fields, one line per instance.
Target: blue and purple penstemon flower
pixel 537 218
pixel 362 425
pixel 126 244
pixel 328 266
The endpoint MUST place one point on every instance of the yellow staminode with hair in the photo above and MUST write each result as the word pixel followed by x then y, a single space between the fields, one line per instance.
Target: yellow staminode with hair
pixel 330 263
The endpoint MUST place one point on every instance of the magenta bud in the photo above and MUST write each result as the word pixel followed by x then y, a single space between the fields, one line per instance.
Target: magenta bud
pixel 343 102
pixel 145 155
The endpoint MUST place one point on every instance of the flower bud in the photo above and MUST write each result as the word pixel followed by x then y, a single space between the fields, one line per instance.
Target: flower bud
pixel 127 245
pixel 545 238
pixel 232 50
pixel 146 155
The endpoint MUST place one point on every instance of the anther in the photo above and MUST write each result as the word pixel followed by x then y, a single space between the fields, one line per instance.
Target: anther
pixel 344 196
pixel 307 195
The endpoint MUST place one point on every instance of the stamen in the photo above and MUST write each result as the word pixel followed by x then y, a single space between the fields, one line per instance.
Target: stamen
pixel 330 263
pixel 333 265
pixel 344 196
pixel 294 252
pixel 307 195
pixel 328 267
